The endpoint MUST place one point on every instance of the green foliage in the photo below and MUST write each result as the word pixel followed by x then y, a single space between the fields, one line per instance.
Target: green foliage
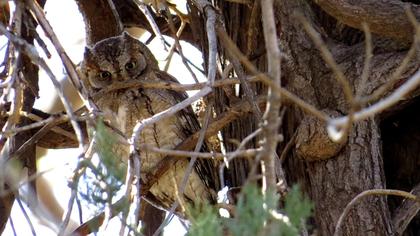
pixel 297 207
pixel 104 178
pixel 105 142
pixel 255 214
pixel 205 221
pixel 252 211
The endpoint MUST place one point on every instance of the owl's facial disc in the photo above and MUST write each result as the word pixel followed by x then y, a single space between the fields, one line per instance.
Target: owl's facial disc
pixel 135 66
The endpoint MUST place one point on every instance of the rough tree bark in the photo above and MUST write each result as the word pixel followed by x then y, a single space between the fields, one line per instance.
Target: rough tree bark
pixel 333 178
pixel 29 74
pixel 331 174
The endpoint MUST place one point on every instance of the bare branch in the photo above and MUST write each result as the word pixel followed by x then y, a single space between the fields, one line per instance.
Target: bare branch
pixel 139 127
pixel 370 192
pixel 329 59
pixel 366 64
pixel 202 155
pixel 378 93
pixel 271 118
pixel 149 17
pixel 235 154
pixel 33 54
pixel 386 17
pixel 188 171
pixel 335 125
pixel 169 85
pixel 406 212
pixel 230 45
pixel 78 172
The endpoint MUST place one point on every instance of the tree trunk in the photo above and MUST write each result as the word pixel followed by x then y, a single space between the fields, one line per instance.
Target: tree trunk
pixel 331 174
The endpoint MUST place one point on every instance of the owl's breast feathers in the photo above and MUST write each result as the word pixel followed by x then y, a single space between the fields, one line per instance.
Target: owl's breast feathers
pixel 125 108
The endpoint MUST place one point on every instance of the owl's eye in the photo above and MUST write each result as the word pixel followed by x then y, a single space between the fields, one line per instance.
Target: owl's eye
pixel 130 65
pixel 104 75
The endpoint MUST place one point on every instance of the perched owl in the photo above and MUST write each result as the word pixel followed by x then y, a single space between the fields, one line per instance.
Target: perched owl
pixel 123 59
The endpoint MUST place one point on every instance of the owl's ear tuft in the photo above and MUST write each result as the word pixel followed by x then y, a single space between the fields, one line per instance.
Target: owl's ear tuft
pixel 87 53
pixel 127 36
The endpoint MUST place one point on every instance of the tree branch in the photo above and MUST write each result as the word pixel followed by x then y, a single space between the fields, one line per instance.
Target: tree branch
pixel 271 118
pixel 100 20
pixel 406 212
pixel 386 17
pixel 370 192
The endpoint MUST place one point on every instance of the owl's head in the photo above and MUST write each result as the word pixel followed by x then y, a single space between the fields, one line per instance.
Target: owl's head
pixel 116 59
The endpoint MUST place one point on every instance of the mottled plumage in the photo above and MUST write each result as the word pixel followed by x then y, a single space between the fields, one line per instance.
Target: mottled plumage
pixel 123 59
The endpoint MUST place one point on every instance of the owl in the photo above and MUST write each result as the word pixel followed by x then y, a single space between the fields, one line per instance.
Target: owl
pixel 123 59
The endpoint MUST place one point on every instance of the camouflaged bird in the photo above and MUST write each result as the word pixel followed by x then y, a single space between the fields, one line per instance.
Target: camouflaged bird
pixel 123 59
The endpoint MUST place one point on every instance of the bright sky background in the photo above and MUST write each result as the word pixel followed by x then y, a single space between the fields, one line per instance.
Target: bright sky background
pixel 68 25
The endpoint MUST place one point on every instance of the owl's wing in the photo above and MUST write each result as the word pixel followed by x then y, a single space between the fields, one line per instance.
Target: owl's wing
pixel 207 169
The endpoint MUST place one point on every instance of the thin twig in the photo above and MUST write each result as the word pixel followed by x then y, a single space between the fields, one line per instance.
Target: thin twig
pixel 235 154
pixel 248 92
pixel 40 123
pixel 395 77
pixel 32 53
pixel 151 20
pixel 230 46
pixel 287 148
pixel 369 192
pixel 184 60
pixel 93 224
pixel 129 179
pixel 114 11
pixel 271 119
pixel 207 9
pixel 212 41
pixel 68 64
pixel 12 225
pixel 16 106
pixel 78 172
pixel 368 58
pixel 141 125
pixel 188 171
pixel 357 103
pixel 172 49
pixel 169 85
pixel 42 44
pixel 328 58
pixel 233 113
pixel 161 115
pixel 27 218
pixel 28 179
pixel 202 155
pixel 34 138
pixel 405 212
pixel 335 125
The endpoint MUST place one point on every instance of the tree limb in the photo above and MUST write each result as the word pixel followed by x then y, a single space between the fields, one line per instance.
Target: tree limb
pixel 406 212
pixel 387 17
pixel 99 19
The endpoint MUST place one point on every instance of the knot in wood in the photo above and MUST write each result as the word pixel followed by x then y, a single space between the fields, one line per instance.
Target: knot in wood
pixel 313 142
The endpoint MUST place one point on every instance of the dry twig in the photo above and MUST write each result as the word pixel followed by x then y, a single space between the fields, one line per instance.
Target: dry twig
pixel 202 155
pixel 230 46
pixel 329 59
pixel 335 124
pixel 370 192
pixel 188 171
pixel 271 118
pixel 32 53
pixel 149 17
pixel 406 212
